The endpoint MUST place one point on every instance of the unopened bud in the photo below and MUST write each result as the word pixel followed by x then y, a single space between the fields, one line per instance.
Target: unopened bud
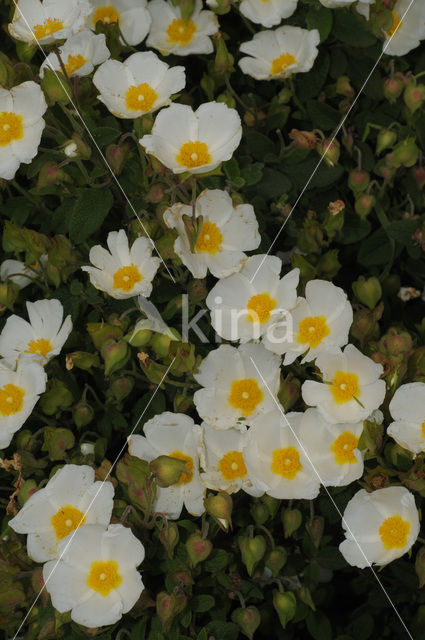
pixel 168 607
pixel 303 139
pixel 121 387
pixel 289 391
pixel 56 441
pixel 315 528
pixel 50 174
pixel 168 470
pixel 344 88
pixel 405 153
pixel 25 51
pixel 368 292
pixel 115 355
pixel 223 59
pixel 55 87
pixel 386 140
pixel 56 398
pixel 82 414
pixel 414 96
pixel 139 338
pixel 419 176
pixel 252 550
pixel 248 620
pixel 285 606
pixel 9 292
pixel 220 507
pixel 116 155
pixel 364 204
pixel 198 548
pixel 329 150
pixel 82 360
pixel 291 520
pixel 100 332
pixel 169 536
pixel 358 180
pixel 76 148
pixel 275 560
pixel 259 512
pixel 304 595
pixel 393 87
pixel 26 491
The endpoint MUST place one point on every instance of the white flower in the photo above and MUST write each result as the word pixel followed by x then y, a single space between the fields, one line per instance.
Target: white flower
pixel 80 54
pixel 96 577
pixel 227 231
pixel 276 461
pixel 17 272
pixel 248 304
pixel 319 321
pixel 122 272
pixel 194 141
pixel 351 388
pixel 132 16
pixel 408 293
pixel 233 388
pixel 280 53
pixel 223 462
pixel 174 435
pixel 139 85
pixel 69 500
pixel 21 126
pixel 408 28
pixel 384 523
pixel 336 4
pixel 333 448
pixel 40 339
pixel 407 408
pixel 269 13
pixel 19 393
pixel 46 21
pixel 170 34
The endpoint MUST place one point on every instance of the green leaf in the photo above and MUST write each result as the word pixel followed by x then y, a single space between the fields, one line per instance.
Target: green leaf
pixel 375 250
pixel 222 630
pixel 402 230
pixel 202 603
pixel 259 145
pixel 273 184
pixel 320 18
pixel 253 173
pixel 319 626
pixel 90 210
pixel 323 115
pixel 352 29
pixel 106 135
pixel 354 230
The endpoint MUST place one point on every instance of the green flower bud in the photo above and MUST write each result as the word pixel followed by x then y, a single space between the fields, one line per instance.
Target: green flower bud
pixel 304 595
pixel 82 414
pixel 117 155
pixel 134 473
pixel 121 387
pixel 168 471
pixel 182 404
pixel 358 180
pixel 329 265
pixel 25 440
pixel 168 607
pixel 82 360
pixel 364 204
pixel 329 150
pixel 56 441
pixel 365 326
pixel 154 372
pixel 13 238
pixel 220 507
pixel 272 504
pixel 368 292
pixel 393 87
pixel 9 291
pixel 405 153
pixel 310 238
pixel 291 520
pixel 182 576
pixel 419 176
pixel 386 140
pixel 100 332
pixel 259 512
pixel 56 398
pixel 227 99
pixel 252 550
pixel 247 619
pixel 185 361
pixel 414 96
pixel 420 566
pixel 115 355
pixel 25 51
pixel 344 88
pixel 169 537
pixel 372 436
pixel 160 343
pixel 139 338
pixel 26 491
pixel 197 290
pixel 275 560
pixel 55 87
pixel 315 528
pixel 186 8
pixel 391 284
pixel 223 59
pixel 198 548
pixel 155 194
pixel 165 245
pixel 285 606
pixel 50 174
pixel 289 392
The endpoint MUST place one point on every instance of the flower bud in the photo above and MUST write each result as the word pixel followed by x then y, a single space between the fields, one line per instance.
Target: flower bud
pixel 227 99
pixel 51 174
pixel 9 292
pixel 275 560
pixel 405 153
pixel 304 595
pixel 13 238
pixel 252 550
pixel 303 139
pixel 386 140
pixel 161 344
pixel 56 398
pixel 182 576
pixel 82 414
pixel 396 342
pixel 169 537
pixel 329 150
pixel 358 180
pixel 365 326
pixel 329 265
pixel 182 403
pixel 117 155
pixel 372 436
pixel 82 360
pixel 364 205
pixel 198 548
pixel 28 489
pixel 154 371
pixel 185 359
pixel 285 606
pixel 155 194
pixel 220 507
pixel 420 566
pixel 393 87
pixel 221 6
pixel 418 174
pixel 223 62
pixel 75 148
pixel 55 87
pixel 310 238
pixel 167 470
pixel 344 88
pixel 368 292
pixel 248 620
pixel 25 440
pixel 315 528
pixel 272 504
pixel 168 607
pixel 289 392
pixel 416 365
pixel 115 355
pixel 291 520
pixel 25 51
pixel 56 441
pixel 414 95
pixel 259 512
pixel 139 338
pixel 121 387
pixel 100 332
pixel 133 473
pixel 197 290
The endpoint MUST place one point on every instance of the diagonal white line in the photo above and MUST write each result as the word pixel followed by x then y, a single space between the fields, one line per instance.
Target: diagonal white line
pixel 66 89
pixel 338 129
pixel 331 498
pixel 71 535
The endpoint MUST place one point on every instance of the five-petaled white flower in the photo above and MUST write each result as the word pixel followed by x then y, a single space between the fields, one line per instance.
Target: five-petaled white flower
pixel 333 447
pixel 21 126
pixel 384 524
pixel 319 321
pixel 96 577
pixel 277 54
pixel 407 409
pixel 139 85
pixel 69 500
pixel 226 232
pixel 40 339
pixel 122 272
pixel 269 13
pixel 351 388
pixel 195 141
pixel 45 21
pixel 223 461
pixel 169 33
pixel 238 384
pixel 407 29
pixel 17 272
pixel 275 461
pixel 80 54
pixel 20 390
pixel 249 304
pixel 177 436
pixel 132 17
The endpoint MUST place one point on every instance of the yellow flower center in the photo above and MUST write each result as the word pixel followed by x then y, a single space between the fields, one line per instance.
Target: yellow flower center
pixel 67 519
pixel 395 26
pixel 107 15
pixel 193 154
pixel 185 477
pixel 104 576
pixel 11 400
pixel 279 64
pixel 245 395
pixel 49 27
pixel 394 532
pixel 423 429
pixel 286 462
pixel 345 386
pixel 232 466
pixel 343 448
pixel 10 128
pixel 126 277
pixel 259 307
pixel 209 239
pixel 41 347
pixel 74 63
pixel 312 330
pixel 140 98
pixel 180 32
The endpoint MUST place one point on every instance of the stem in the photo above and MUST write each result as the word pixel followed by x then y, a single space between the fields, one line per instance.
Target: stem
pixel 241 599
pixel 294 96
pixel 237 98
pixel 268 534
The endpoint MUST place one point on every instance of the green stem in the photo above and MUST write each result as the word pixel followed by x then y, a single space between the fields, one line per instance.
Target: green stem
pixel 268 534
pixel 237 98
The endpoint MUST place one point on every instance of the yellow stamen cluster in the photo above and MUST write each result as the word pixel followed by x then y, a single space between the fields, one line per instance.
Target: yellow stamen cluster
pixel 260 307
pixel 67 519
pixel 193 154
pixel 286 462
pixel 11 400
pixel 126 277
pixel 345 387
pixel 281 63
pixel 245 395
pixel 180 32
pixel 209 239
pixel 312 331
pixel 11 128
pixel 232 466
pixel 41 347
pixel 141 97
pixel 104 576
pixel 185 477
pixel 343 448
pixel 393 532
pixel 48 28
